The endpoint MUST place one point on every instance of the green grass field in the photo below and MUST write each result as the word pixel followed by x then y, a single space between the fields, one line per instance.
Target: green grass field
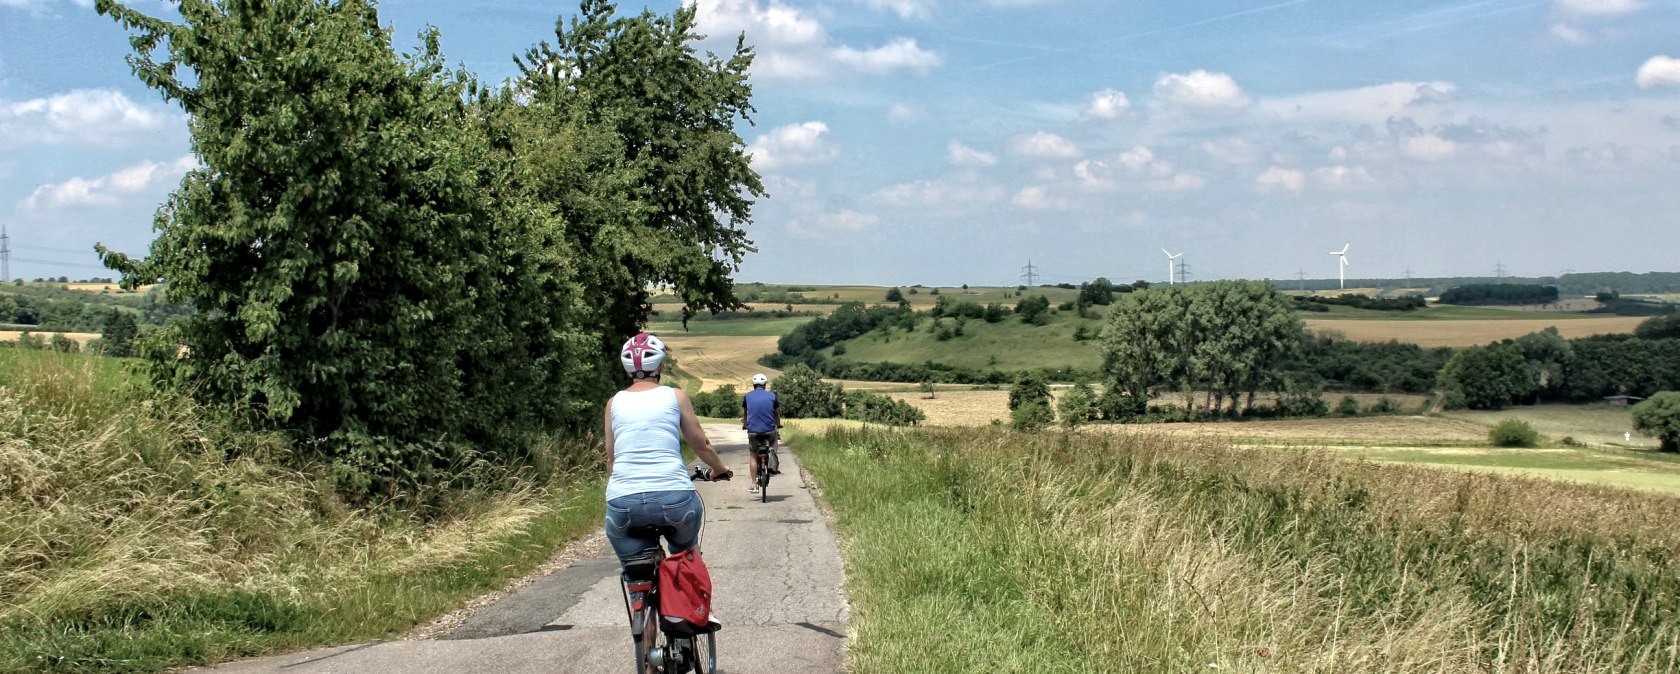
pixel 986 550
pixel 1014 345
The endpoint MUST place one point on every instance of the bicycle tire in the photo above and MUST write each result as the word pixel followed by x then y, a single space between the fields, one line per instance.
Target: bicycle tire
pixel 763 479
pixel 702 654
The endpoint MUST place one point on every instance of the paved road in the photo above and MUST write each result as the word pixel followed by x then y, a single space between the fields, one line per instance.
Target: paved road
pixel 776 576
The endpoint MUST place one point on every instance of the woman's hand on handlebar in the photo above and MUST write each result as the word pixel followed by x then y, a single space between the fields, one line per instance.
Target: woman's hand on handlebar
pixel 726 474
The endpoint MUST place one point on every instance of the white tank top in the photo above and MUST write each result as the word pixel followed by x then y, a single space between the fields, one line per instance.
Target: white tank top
pixel 647 449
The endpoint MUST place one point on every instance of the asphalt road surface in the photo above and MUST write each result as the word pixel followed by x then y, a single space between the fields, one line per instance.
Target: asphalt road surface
pixel 776 582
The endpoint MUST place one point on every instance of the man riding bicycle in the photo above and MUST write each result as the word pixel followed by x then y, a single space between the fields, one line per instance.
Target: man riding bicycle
pixel 761 415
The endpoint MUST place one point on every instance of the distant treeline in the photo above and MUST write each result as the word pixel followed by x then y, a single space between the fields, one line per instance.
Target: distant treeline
pixel 1500 293
pixel 1314 303
pixel 49 315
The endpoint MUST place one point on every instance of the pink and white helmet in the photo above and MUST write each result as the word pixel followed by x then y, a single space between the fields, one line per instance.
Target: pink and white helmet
pixel 642 355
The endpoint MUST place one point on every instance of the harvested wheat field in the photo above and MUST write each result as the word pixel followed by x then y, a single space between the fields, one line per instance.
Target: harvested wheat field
pixel 81 337
pixel 1470 332
pixel 721 360
pixel 1380 430
pixel 959 408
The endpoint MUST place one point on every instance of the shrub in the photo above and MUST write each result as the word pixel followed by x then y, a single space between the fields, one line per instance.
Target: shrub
pixel 1029 388
pixel 1383 405
pixel 881 409
pixel 1301 404
pixel 1077 405
pixel 63 344
pixel 1513 433
pixel 32 342
pixel 1659 415
pixel 1117 405
pixel 1032 416
pixel 1348 406
pixel 804 395
pixel 723 402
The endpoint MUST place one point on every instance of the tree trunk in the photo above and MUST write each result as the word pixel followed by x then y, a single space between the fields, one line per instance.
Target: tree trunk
pixel 1671 444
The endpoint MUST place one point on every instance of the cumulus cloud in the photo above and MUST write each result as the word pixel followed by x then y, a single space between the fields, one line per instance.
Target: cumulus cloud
pixel 1138 158
pixel 1108 104
pixel 1570 34
pixel 903 113
pixel 1659 71
pixel 1232 151
pixel 1179 182
pixel 1201 89
pixel 965 156
pixel 82 116
pixel 1599 7
pixel 1343 177
pixel 803 143
pixel 792 44
pixel 1038 198
pixel 1044 145
pixel 1428 147
pixel 109 189
pixel 899 54
pixel 1279 179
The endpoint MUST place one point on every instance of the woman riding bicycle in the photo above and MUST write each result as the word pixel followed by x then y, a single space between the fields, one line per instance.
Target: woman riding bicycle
pixel 649 484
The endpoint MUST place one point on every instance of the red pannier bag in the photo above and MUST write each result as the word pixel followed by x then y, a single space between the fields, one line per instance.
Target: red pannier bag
pixel 685 595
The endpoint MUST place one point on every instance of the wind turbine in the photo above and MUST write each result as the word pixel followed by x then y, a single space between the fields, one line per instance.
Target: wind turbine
pixel 1341 269
pixel 1170 258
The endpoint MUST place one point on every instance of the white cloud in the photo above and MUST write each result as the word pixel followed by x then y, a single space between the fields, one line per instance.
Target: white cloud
pixel 1232 151
pixel 950 190
pixel 791 44
pixel 1093 175
pixel 1138 158
pixel 109 189
pixel 82 116
pixel 1570 34
pixel 847 220
pixel 899 54
pixel 1343 177
pixel 1201 89
pixel 1659 71
pixel 1108 104
pixel 907 9
pixel 1428 147
pixel 963 155
pixel 1044 145
pixel 1364 105
pixel 1179 182
pixel 1599 7
pixel 803 143
pixel 903 113
pixel 1277 178
pixel 1038 198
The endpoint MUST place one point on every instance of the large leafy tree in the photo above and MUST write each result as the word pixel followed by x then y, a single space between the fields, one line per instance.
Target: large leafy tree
pixel 360 272
pixel 1485 377
pixel 667 202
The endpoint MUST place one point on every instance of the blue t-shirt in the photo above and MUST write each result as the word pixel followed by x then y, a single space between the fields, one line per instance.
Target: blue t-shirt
pixel 761 410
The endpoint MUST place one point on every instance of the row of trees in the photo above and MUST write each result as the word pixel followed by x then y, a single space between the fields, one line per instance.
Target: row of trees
pixel 1500 293
pixel 412 271
pixel 1228 340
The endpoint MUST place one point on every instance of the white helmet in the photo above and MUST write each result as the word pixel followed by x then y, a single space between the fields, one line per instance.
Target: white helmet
pixel 760 380
pixel 642 355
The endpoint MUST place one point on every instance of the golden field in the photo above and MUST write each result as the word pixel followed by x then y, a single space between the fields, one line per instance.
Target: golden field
pixel 1469 332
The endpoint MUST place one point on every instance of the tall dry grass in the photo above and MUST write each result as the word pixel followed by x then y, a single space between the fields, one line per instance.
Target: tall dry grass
pixel 139 531
pixel 988 550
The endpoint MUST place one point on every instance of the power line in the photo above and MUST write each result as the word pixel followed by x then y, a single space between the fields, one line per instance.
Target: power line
pixel 1030 275
pixel 5 255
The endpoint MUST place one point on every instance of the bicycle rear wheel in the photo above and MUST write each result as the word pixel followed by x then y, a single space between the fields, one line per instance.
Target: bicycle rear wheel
pixel 702 656
pixel 763 479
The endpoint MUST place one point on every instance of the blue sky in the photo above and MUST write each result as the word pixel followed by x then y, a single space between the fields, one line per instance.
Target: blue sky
pixel 944 142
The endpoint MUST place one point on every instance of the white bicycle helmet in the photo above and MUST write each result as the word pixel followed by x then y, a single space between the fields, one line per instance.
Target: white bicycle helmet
pixel 760 380
pixel 642 355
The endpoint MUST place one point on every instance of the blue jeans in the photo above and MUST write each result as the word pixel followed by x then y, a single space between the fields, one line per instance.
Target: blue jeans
pixel 680 511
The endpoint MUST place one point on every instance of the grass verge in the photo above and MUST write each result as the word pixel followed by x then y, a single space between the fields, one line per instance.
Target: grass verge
pixel 986 550
pixel 139 532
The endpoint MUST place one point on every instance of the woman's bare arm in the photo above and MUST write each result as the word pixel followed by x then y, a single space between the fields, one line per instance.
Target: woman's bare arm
pixel 696 436
pixel 607 418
